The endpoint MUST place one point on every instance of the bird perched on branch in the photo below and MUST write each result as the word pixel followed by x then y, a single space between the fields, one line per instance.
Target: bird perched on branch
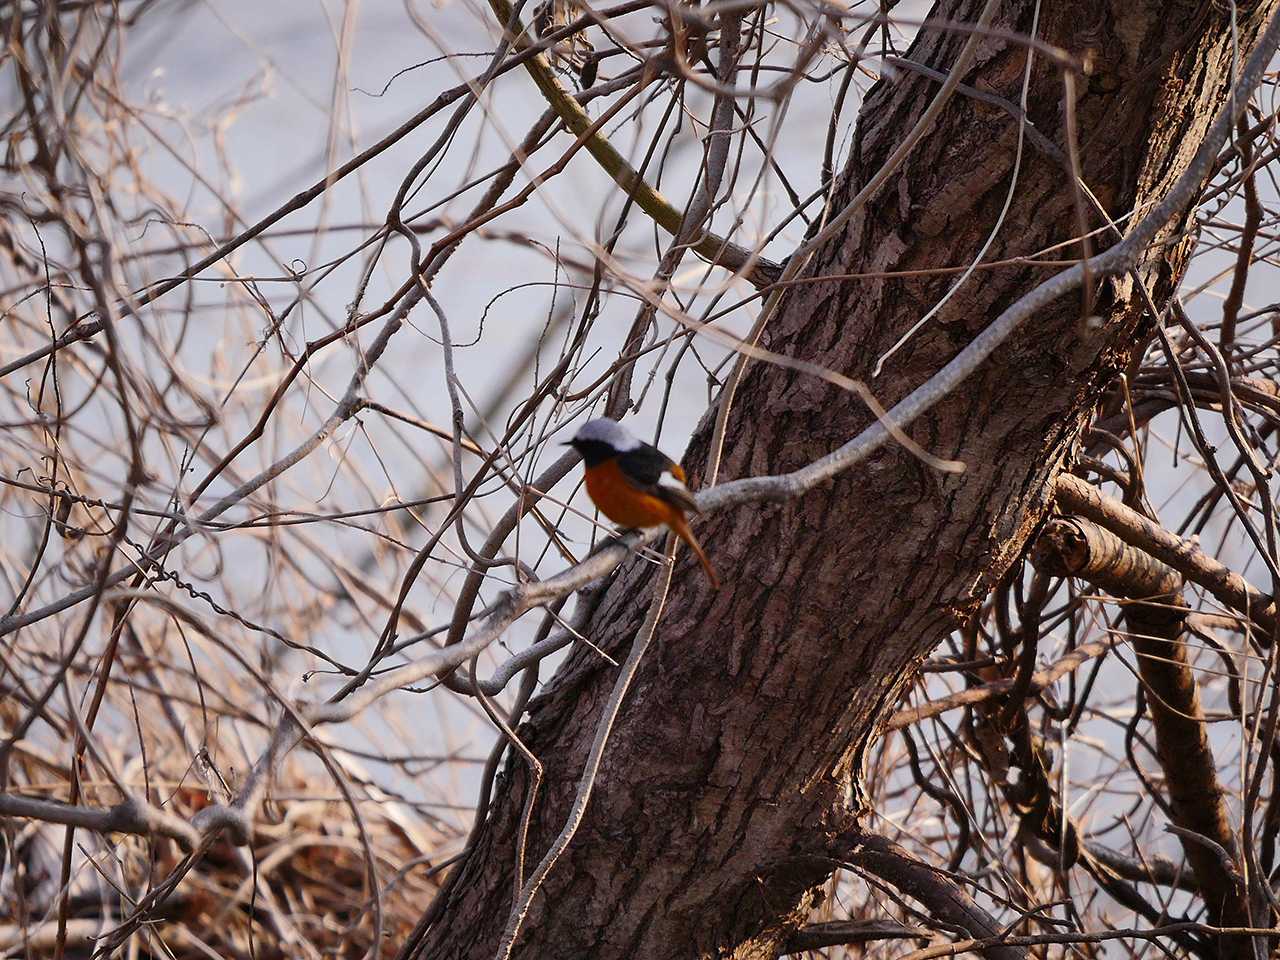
pixel 575 53
pixel 635 484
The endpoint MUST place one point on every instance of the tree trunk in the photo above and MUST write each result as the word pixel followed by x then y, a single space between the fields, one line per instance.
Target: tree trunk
pixel 732 773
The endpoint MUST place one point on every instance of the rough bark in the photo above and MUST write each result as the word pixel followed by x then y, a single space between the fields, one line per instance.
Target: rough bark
pixel 732 774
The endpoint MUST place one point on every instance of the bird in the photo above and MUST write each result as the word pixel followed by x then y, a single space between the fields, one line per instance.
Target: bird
pixel 636 485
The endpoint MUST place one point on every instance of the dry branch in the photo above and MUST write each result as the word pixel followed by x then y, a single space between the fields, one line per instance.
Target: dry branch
pixel 1156 621
pixel 944 899
pixel 1185 556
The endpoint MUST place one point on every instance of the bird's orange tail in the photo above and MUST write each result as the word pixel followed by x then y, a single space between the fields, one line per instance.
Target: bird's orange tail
pixel 681 529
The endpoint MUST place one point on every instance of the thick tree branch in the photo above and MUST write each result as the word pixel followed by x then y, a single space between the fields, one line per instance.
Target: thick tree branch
pixel 129 816
pixel 942 897
pixel 834 933
pixel 1185 556
pixel 1156 619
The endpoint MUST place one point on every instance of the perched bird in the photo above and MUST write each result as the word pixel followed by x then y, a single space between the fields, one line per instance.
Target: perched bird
pixel 574 53
pixel 636 485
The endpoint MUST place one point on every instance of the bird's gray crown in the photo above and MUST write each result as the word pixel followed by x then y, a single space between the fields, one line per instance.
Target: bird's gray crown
pixel 604 430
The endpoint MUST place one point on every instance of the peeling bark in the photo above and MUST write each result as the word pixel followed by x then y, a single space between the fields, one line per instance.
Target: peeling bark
pixel 733 770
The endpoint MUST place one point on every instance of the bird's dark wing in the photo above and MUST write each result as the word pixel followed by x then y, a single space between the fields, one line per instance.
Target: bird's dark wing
pixel 645 465
pixel 657 474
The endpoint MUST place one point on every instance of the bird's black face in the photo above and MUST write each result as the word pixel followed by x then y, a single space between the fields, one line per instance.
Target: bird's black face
pixel 593 452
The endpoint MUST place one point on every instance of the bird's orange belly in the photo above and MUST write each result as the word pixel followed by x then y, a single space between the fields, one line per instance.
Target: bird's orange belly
pixel 620 500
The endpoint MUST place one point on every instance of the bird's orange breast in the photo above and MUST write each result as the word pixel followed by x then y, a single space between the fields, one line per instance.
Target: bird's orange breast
pixel 624 503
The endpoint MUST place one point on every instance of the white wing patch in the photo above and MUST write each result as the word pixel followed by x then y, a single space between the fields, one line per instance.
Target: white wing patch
pixel 677 492
pixel 668 480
